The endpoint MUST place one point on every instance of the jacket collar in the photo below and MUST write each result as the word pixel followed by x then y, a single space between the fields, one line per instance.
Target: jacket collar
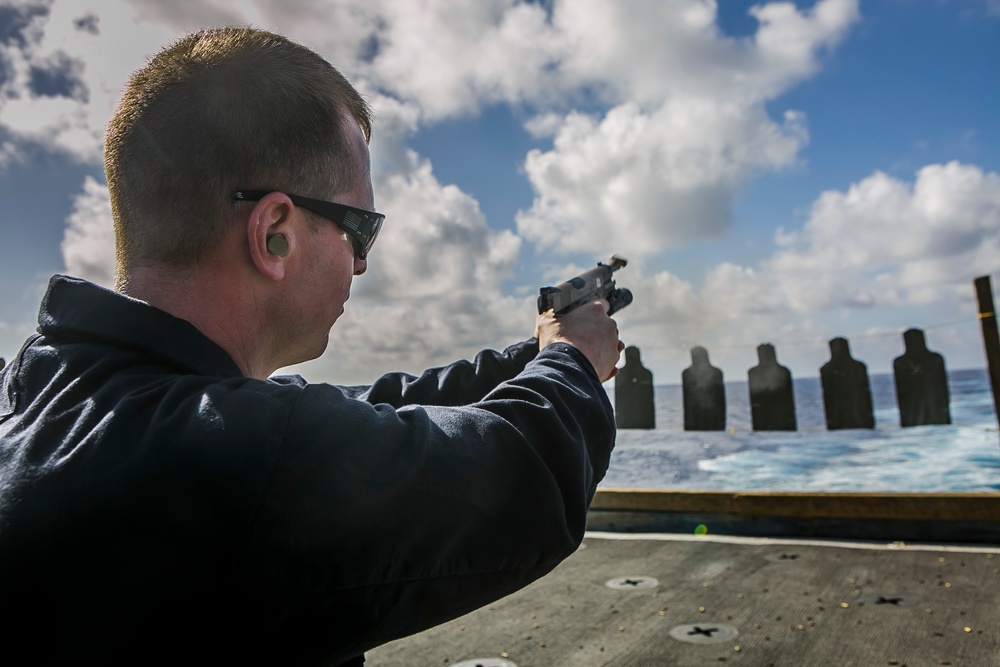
pixel 80 309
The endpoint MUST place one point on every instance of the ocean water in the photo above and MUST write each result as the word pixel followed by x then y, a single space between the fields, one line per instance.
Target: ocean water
pixel 961 457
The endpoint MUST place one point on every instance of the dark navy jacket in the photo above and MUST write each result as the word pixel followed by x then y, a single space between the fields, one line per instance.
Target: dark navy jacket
pixel 155 504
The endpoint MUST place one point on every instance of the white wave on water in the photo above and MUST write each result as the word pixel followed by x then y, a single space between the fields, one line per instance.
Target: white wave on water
pixel 961 457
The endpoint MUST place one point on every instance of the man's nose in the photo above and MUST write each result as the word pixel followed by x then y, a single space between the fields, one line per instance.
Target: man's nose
pixel 360 266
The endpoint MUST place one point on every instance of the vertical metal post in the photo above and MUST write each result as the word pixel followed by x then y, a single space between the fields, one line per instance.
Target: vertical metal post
pixel 991 339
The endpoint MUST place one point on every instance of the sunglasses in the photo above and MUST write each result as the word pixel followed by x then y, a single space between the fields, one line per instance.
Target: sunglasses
pixel 361 225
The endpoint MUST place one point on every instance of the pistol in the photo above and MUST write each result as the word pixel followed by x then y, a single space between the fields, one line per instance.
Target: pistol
pixel 594 284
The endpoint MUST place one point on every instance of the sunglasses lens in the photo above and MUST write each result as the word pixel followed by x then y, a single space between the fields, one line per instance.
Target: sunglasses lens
pixel 376 228
pixel 363 227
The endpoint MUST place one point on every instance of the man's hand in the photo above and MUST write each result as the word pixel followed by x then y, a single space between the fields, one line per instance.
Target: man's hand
pixel 588 329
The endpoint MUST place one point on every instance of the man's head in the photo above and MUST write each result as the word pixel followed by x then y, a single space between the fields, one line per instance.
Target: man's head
pixel 222 110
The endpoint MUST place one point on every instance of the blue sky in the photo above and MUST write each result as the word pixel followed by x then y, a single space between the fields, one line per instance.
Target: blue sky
pixel 775 172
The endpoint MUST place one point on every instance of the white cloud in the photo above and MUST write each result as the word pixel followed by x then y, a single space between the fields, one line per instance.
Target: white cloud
pixel 650 181
pixel 88 245
pixel 688 127
pixel 453 57
pixel 788 39
pixel 885 242
pixel 90 48
pixel 436 241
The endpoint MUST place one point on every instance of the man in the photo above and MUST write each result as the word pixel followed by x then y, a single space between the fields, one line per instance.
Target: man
pixel 161 498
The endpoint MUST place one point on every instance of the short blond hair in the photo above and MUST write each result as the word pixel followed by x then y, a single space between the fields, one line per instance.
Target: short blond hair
pixel 220 110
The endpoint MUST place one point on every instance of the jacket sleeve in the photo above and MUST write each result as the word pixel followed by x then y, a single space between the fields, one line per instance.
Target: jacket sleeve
pixel 460 383
pixel 381 522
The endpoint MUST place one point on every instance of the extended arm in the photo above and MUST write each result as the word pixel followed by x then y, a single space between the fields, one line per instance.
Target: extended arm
pixel 378 518
pixel 460 383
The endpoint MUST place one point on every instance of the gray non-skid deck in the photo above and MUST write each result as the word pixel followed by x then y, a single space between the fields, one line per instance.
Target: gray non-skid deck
pixel 732 601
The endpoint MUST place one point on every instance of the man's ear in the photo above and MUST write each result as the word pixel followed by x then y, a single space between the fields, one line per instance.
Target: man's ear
pixel 269 234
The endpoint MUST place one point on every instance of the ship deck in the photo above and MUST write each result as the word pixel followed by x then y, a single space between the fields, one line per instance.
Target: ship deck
pixel 638 599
